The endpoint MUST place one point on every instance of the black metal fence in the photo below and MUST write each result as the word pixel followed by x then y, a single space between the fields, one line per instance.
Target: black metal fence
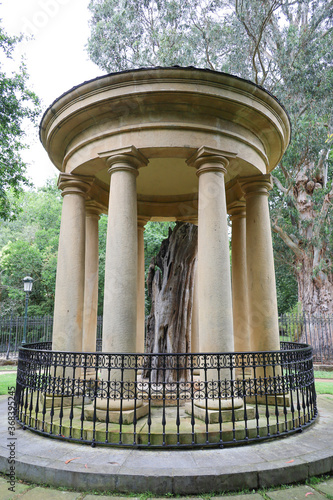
pixel 316 331
pixel 130 400
pixel 38 329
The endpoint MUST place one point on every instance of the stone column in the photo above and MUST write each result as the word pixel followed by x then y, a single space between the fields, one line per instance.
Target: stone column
pixel 91 278
pixel 120 289
pixel 121 268
pixel 68 307
pixel 239 278
pixel 263 316
pixel 214 283
pixel 195 319
pixel 140 332
pixel 195 314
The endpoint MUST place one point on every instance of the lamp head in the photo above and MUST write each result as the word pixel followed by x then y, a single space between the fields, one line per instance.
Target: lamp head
pixel 27 283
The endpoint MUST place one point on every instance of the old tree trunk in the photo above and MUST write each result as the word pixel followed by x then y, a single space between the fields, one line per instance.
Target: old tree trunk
pixel 170 286
pixel 308 235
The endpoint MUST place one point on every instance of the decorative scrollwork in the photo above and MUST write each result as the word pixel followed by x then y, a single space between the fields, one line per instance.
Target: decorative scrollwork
pixel 62 384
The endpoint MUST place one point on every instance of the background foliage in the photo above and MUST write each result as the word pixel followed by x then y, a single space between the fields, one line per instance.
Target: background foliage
pixel 29 247
pixel 18 106
pixel 285 46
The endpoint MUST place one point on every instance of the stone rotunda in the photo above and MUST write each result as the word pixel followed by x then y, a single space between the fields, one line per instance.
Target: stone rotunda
pixel 178 144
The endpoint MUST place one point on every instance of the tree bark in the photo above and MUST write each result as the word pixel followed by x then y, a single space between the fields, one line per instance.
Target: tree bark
pixel 313 262
pixel 170 286
pixel 315 288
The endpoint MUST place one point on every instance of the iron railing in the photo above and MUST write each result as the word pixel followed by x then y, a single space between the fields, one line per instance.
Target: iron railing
pixel 38 329
pixel 316 331
pixel 165 400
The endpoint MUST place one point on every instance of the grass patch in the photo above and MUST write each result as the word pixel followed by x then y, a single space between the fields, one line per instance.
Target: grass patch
pixel 8 368
pixel 323 387
pixel 7 380
pixel 322 374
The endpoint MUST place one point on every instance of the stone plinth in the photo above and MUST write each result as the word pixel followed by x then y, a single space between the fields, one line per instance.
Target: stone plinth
pixel 213 416
pixel 114 415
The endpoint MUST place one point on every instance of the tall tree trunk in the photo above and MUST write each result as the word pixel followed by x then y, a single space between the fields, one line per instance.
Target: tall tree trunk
pixel 310 241
pixel 315 285
pixel 170 286
pixel 315 288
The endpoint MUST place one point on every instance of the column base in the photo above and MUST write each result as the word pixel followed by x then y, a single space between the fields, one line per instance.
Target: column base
pixel 216 404
pixel 168 400
pixel 214 415
pixel 113 415
pixel 58 401
pixel 278 400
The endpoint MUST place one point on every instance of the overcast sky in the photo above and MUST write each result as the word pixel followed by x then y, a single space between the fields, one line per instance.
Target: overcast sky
pixel 56 58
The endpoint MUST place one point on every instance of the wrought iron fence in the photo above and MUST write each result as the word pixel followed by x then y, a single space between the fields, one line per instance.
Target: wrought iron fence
pixel 316 331
pixel 165 400
pixel 38 329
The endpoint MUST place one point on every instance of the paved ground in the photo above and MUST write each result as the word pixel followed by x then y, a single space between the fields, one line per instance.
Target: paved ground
pixel 319 491
pixel 193 472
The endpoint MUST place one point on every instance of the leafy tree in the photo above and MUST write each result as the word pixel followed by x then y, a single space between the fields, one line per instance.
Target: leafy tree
pixel 28 246
pixel 18 259
pixel 286 283
pixel 17 105
pixel 102 232
pixel 285 45
pixel 154 234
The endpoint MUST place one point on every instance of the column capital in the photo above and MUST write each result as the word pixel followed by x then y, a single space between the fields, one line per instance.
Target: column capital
pixel 142 221
pixel 128 159
pixel 207 159
pixel 74 184
pixel 237 210
pixel 192 219
pixel 256 185
pixel 234 195
pixel 94 209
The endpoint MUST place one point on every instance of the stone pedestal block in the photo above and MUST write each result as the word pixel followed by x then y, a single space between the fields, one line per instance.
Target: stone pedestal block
pixel 127 415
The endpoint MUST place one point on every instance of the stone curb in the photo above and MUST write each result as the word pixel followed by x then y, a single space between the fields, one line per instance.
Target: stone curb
pixel 292 459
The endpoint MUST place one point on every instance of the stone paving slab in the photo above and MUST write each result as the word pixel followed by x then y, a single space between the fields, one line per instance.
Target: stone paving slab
pixel 107 497
pixel 6 494
pixel 326 487
pixel 295 493
pixel 49 494
pixel 32 492
pixel 250 496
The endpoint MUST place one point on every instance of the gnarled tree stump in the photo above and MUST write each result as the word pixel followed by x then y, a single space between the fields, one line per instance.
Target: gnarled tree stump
pixel 170 286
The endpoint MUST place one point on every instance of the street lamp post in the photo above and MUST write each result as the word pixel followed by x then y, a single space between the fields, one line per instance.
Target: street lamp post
pixel 27 284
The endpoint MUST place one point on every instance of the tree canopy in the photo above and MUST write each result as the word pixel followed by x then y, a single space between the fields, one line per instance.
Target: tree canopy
pixel 18 106
pixel 285 46
pixel 29 246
